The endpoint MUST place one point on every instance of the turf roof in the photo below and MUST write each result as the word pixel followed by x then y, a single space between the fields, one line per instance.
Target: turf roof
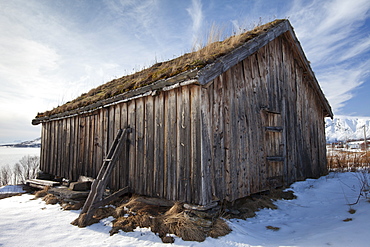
pixel 163 70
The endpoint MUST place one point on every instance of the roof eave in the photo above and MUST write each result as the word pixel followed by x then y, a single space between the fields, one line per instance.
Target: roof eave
pixel 182 79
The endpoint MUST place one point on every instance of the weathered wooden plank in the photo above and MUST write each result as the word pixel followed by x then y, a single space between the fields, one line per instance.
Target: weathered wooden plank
pixel 242 133
pixel 195 151
pixel 71 147
pixel 124 165
pixel 206 146
pixel 95 143
pixel 99 140
pixel 75 148
pixel 170 145
pixel 227 136
pixel 87 167
pixel 218 183
pixel 183 144
pixel 234 135
pixel 250 105
pixel 131 121
pixel 140 147
pixel 149 146
pixel 159 173
pixel 116 173
pixel 258 98
pixel 44 138
pixel 66 153
pixel 59 145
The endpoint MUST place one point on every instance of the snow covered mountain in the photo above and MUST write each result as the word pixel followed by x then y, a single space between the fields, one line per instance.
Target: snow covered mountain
pixel 343 128
pixel 26 144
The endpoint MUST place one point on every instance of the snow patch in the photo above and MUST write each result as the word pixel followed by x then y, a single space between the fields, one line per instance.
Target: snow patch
pixel 315 218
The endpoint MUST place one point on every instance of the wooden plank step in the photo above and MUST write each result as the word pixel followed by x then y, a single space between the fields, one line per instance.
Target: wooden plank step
pixel 39 183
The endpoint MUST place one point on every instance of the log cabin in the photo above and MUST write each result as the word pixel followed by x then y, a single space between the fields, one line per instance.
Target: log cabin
pixel 237 117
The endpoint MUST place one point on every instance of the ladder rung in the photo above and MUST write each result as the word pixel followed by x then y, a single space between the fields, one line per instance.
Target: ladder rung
pixel 107 159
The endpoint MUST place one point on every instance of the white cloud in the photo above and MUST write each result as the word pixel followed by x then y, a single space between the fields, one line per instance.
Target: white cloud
pixel 196 14
pixel 329 33
pixel 357 48
pixel 337 83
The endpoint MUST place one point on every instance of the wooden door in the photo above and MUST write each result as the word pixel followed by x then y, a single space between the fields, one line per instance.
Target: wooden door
pixel 274 147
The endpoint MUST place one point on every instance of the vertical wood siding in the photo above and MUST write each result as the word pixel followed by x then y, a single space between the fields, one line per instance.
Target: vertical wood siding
pixel 265 124
pixel 256 126
pixel 164 146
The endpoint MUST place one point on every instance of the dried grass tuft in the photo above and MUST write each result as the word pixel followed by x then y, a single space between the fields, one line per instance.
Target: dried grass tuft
pixel 352 211
pixel 122 223
pixel 121 211
pixel 50 199
pixel 219 228
pixel 273 228
pixel 183 227
pixel 102 213
pixel 41 193
pixel 81 221
pixel 70 206
pixel 175 209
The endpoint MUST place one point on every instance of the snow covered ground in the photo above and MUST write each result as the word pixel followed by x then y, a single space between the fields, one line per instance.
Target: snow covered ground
pixel 315 218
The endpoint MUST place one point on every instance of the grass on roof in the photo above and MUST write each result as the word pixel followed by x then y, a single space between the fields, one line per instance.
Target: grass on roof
pixel 162 70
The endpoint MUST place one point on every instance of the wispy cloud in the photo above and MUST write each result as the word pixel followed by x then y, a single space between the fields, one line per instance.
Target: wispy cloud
pixel 332 38
pixel 196 14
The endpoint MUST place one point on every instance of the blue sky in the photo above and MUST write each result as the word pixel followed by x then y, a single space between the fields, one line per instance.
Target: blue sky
pixel 53 51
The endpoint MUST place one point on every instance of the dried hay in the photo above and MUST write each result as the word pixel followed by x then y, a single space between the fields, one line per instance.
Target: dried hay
pixel 102 213
pixel 72 206
pixel 175 220
pixel 352 211
pixel 175 209
pixel 168 240
pixel 134 205
pixel 123 224
pixel 81 221
pixel 162 70
pixel 219 228
pixel 183 227
pixel 50 199
pixel 41 193
pixel 121 210
pixel 246 207
pixel 278 194
pixel 273 228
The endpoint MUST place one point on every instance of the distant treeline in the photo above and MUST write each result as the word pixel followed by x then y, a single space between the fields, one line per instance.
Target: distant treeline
pixel 26 168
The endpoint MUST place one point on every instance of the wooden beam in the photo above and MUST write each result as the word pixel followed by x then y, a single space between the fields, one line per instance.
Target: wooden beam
pixel 274 128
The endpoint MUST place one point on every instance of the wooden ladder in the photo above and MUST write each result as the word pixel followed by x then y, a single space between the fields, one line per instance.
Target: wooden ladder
pixel 95 198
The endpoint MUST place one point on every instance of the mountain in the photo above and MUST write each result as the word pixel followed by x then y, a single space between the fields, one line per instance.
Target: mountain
pixel 26 144
pixel 343 128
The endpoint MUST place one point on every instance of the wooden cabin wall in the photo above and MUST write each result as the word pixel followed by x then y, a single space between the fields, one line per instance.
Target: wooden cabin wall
pixel 164 146
pixel 264 124
pixel 256 126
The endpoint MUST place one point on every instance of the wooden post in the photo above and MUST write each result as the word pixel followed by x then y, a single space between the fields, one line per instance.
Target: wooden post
pixel 365 142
